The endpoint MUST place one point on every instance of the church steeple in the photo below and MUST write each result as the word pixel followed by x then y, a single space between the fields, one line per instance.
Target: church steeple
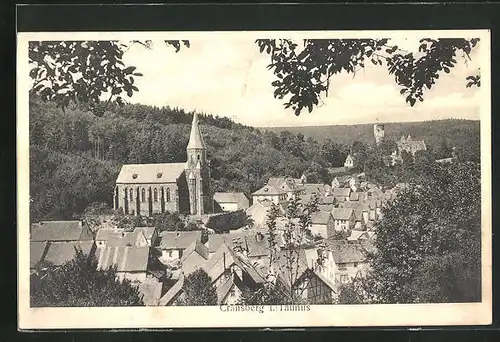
pixel 195 139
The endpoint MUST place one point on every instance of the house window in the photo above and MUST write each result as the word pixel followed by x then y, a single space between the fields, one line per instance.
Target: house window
pixel 232 292
pixel 355 264
pixel 167 195
pixel 344 278
pixel 170 254
pixel 198 157
pixel 155 195
pixel 143 195
pixel 131 195
pixel 341 265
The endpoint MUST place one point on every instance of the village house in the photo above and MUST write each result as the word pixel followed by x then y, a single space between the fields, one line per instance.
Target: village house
pixel 131 262
pixel 173 244
pixel 231 201
pixel 306 281
pixel 148 189
pixel 343 219
pixel 193 257
pixel 258 211
pixel 269 193
pixel 349 162
pixel 350 259
pixel 60 231
pixel 342 194
pixel 362 210
pixel 322 224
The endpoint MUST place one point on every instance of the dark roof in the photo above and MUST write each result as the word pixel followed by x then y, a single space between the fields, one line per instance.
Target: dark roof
pixel 58 253
pixel 150 173
pixel 37 251
pixel 223 290
pixel 60 231
pixel 173 292
pixel 178 240
pixel 126 259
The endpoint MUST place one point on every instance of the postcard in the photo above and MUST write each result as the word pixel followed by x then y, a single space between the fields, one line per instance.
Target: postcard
pixel 254 179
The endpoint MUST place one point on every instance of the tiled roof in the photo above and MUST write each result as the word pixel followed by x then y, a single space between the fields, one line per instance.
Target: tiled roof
pixel 325 207
pixel 230 197
pixel 320 217
pixel 60 231
pixel 193 257
pixel 37 251
pixel 130 239
pixel 223 289
pixel 344 252
pixel 126 259
pixel 178 240
pixel 222 259
pixel 341 192
pixel 108 234
pixel 173 292
pixel 150 173
pixel 216 240
pixel 342 213
pixel 59 253
pixel 257 245
pixel 269 190
pixel 327 199
pixel 356 234
pixel 319 189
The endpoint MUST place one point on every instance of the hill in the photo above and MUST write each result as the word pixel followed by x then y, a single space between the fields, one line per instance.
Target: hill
pixel 434 132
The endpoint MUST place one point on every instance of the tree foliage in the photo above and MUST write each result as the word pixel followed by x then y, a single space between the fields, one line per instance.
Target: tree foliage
pixel 198 290
pixel 78 283
pixel 84 71
pixel 303 72
pixel 429 240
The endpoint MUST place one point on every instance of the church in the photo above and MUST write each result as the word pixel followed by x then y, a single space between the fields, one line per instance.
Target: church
pixel 148 189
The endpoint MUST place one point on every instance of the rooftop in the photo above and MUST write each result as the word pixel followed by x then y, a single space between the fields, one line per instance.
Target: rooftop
pixel 178 239
pixel 58 253
pixel 60 231
pixel 150 173
pixel 126 259
pixel 342 213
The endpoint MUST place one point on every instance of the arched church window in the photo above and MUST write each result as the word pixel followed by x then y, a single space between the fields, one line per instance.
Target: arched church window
pixel 131 195
pixel 198 156
pixel 167 195
pixel 155 195
pixel 143 195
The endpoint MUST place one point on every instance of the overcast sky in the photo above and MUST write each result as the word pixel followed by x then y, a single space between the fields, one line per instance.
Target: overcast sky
pixel 229 78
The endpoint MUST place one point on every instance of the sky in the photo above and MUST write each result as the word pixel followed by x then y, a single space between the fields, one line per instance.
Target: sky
pixel 229 78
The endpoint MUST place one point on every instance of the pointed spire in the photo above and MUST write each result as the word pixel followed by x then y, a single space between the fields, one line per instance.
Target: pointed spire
pixel 195 139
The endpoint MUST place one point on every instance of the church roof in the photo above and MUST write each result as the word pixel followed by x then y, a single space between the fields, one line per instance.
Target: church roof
pixel 150 173
pixel 195 139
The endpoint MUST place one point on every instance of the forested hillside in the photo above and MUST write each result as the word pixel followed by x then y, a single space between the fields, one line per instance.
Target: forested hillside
pixel 75 156
pixel 463 134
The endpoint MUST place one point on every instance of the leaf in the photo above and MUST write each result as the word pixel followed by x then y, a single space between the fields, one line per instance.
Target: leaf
pixel 129 70
pixel 137 74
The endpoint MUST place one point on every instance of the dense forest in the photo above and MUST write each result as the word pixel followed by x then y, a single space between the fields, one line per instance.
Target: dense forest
pixel 75 156
pixel 455 132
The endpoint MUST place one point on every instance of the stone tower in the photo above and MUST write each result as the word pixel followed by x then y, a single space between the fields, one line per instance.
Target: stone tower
pixel 378 133
pixel 198 172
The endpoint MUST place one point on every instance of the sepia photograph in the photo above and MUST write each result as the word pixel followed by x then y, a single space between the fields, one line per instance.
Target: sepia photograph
pixel 253 179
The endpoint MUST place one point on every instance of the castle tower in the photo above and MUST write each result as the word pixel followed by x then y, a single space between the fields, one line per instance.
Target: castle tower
pixel 378 133
pixel 197 172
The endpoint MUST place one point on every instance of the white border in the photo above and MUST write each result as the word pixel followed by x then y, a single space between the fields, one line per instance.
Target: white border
pixel 208 317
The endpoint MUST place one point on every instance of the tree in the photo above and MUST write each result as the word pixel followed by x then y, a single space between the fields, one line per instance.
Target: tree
pixel 199 290
pixel 168 221
pixel 78 283
pixel 429 240
pixel 303 74
pixel 84 71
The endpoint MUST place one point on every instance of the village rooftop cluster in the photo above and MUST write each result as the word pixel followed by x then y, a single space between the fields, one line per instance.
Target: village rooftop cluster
pixel 340 234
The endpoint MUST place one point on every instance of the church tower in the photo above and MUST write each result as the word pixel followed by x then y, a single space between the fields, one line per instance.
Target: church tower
pixel 198 172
